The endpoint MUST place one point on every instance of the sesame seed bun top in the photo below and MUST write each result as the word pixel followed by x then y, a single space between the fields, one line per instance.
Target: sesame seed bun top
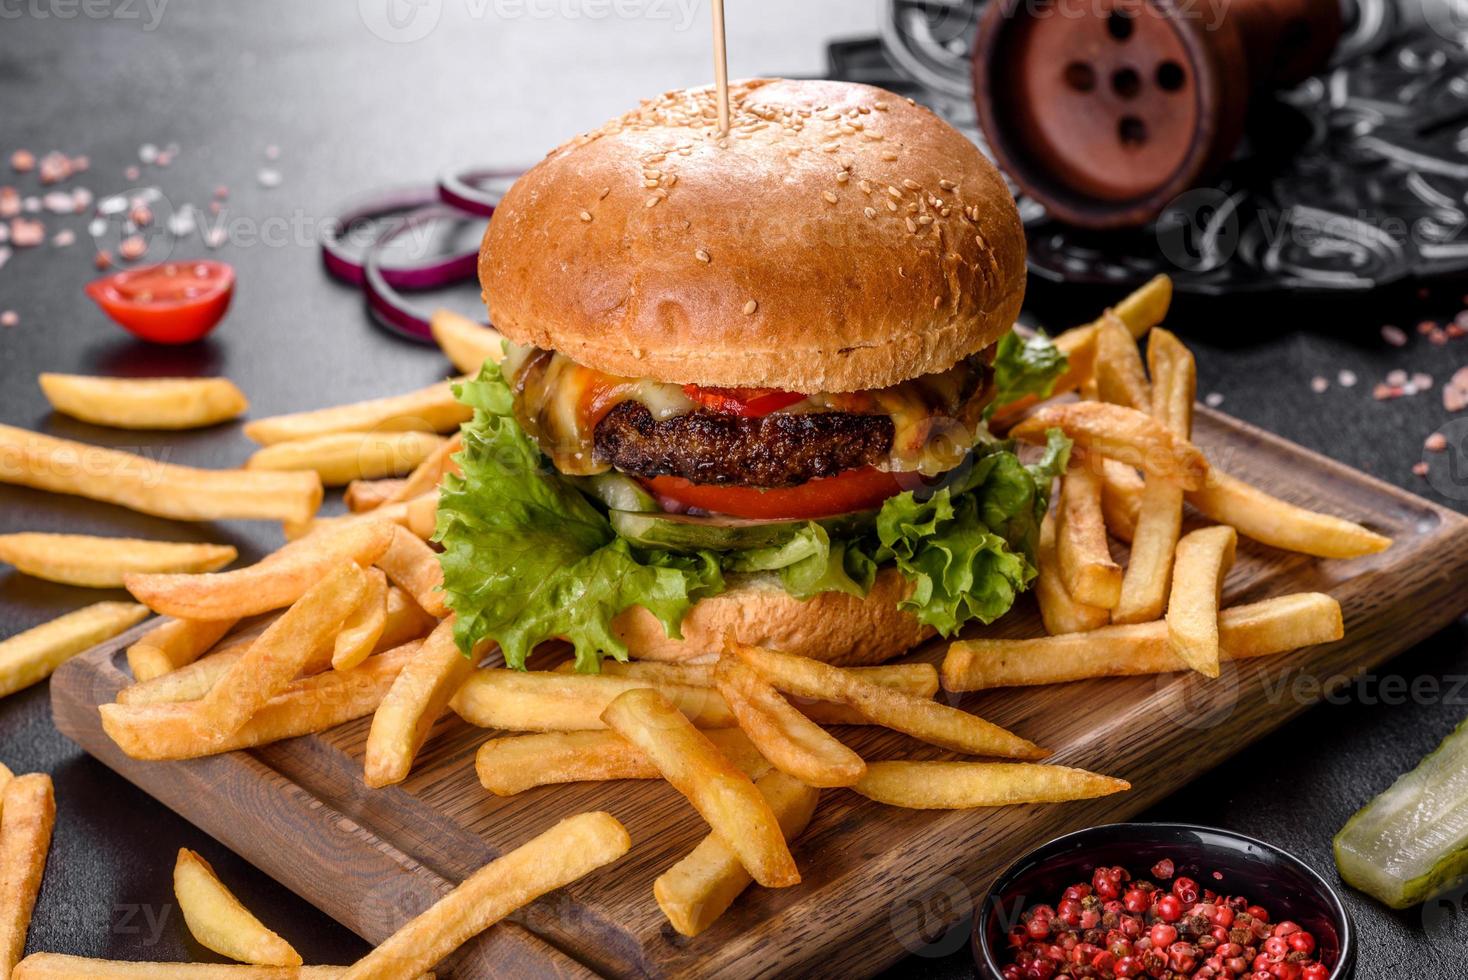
pixel 840 238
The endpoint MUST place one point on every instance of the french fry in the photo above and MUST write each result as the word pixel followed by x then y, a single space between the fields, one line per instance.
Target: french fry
pixel 1120 377
pixel 431 409
pixel 393 513
pixel 144 403
pixel 161 731
pixel 1160 511
pixel 1123 434
pixel 152 487
pixel 549 701
pixel 101 563
pixel 1174 382
pixel 414 567
pixel 274 660
pixel 57 966
pixel 1203 559
pixel 430 473
pixel 363 628
pixel 962 785
pixel 274 583
pixel 698 889
pixel 1087 569
pixel 5 777
pixel 405 622
pixel 1255 514
pixel 417 699
pixel 366 495
pixel 341 457
pixel 723 796
pixel 173 644
pixel 511 765
pixel 1060 612
pixel 917 679
pixel 32 656
pixel 571 849
pixel 465 343
pixel 792 742
pixel 1121 498
pixel 219 921
pixel 421 515
pixel 27 815
pixel 927 720
pixel 1260 629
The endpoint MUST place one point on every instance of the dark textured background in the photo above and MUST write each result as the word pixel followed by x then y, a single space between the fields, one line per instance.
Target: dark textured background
pixel 351 112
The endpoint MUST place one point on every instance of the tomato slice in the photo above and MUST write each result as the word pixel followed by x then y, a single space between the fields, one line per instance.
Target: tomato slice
pixel 749 403
pixel 844 493
pixel 169 303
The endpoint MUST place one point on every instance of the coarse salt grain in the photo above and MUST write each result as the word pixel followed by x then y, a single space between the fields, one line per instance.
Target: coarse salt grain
pixel 1420 469
pixel 1436 443
pixel 65 238
pixel 1384 393
pixel 1426 327
pixel 26 234
pixel 132 173
pixel 9 318
pixel 1422 380
pixel 1346 379
pixel 1213 399
pixel 1395 336
pixel 1319 384
pixel 102 260
pixel 1396 378
pixel 132 247
pixel 57 202
pixel 1438 338
pixel 268 177
pixel 147 153
pixel 22 161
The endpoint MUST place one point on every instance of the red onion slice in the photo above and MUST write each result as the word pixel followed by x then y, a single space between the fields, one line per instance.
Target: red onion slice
pixel 387 306
pixel 346 240
pixel 476 191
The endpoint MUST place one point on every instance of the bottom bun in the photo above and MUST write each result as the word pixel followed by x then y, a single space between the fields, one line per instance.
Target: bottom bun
pixel 832 626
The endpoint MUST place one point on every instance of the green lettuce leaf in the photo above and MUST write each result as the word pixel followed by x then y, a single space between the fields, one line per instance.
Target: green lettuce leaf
pixel 969 547
pixel 528 558
pixel 1025 366
pixel 810 563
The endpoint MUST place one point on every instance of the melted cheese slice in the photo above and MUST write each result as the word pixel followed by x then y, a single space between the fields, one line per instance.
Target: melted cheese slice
pixel 936 418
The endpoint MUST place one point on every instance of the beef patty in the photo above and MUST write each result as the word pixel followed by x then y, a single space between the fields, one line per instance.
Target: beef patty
pixel 777 450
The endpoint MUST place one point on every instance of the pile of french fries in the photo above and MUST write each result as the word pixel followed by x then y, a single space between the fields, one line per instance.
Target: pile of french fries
pixel 348 620
pixel 1133 469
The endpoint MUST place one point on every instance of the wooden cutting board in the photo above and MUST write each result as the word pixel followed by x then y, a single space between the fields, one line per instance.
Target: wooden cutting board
pixel 879 882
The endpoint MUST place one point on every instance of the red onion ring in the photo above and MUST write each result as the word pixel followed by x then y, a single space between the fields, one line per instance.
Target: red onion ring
pixel 346 261
pixel 387 306
pixel 476 191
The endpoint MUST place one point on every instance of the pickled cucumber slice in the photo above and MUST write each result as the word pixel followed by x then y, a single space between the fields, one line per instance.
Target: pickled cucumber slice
pixel 1411 842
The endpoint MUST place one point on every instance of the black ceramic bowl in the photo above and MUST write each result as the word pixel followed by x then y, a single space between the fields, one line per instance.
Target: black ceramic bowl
pixel 1264 874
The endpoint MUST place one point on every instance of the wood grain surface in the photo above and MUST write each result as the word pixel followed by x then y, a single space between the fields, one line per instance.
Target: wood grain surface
pixel 878 882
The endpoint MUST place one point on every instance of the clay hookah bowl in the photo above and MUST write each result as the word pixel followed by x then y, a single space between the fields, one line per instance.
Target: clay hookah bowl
pixel 1106 110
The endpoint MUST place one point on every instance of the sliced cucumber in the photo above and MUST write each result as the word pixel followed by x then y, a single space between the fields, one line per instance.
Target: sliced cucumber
pixel 619 492
pixel 1411 842
pixel 680 532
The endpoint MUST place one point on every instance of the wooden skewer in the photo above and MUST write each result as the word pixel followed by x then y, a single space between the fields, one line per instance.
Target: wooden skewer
pixel 721 67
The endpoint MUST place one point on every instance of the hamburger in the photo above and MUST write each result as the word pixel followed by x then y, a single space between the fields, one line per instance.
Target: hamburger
pixel 745 387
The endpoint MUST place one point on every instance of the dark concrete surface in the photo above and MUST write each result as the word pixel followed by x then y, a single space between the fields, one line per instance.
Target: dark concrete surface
pixel 351 112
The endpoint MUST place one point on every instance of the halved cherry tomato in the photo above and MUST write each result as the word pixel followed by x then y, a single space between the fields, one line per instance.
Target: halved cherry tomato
pixel 170 303
pixel 844 493
pixel 749 403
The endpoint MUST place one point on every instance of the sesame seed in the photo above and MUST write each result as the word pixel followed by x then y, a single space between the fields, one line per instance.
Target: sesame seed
pixel 880 106
pixel 866 186
pixel 604 192
pixel 831 147
pixel 948 185
pixel 672 179
pixel 847 163
pixel 912 226
pixel 652 174
pixel 585 215
pixel 651 202
pixel 911 184
pixel 750 307
pixel 650 183
pixel 874 137
pixel 870 212
pixel 891 205
pixel 889 155
pixel 926 219
pixel 842 177
pixel 829 196
pixel 701 255
pixel 894 193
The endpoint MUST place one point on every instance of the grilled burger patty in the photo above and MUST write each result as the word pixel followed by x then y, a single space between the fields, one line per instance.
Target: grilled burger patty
pixel 709 447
